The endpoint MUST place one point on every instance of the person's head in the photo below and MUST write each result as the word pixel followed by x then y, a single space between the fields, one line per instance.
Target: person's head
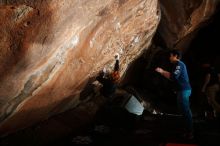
pixel 174 56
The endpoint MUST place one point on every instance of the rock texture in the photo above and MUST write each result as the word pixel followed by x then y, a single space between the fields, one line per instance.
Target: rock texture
pixel 50 49
pixel 180 19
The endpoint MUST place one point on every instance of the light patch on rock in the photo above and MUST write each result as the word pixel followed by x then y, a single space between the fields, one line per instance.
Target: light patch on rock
pixel 21 12
pixel 60 54
pixel 59 57
pixel 74 41
pixel 121 51
pixel 91 43
pixel 136 40
pixel 118 26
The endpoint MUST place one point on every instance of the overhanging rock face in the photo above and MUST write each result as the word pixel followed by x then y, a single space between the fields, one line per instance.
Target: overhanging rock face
pixel 49 50
pixel 180 19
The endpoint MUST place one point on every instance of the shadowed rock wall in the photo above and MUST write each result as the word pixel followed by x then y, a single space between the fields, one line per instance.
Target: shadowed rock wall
pixel 180 20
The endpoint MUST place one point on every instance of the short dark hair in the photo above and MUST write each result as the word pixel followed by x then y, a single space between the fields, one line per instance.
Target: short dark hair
pixel 176 52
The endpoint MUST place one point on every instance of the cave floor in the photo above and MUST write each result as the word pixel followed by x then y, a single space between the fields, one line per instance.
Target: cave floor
pixel 115 126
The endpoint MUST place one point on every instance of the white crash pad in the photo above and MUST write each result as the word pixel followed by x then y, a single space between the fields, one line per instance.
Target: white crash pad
pixel 134 106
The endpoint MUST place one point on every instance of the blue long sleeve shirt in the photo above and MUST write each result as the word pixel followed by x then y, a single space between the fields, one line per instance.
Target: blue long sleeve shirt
pixel 180 75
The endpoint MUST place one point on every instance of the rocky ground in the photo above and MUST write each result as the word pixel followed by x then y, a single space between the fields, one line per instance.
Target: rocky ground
pixel 118 127
pixel 114 125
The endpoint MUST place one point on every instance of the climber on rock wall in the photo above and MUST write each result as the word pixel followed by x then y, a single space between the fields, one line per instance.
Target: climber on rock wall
pixel 109 80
